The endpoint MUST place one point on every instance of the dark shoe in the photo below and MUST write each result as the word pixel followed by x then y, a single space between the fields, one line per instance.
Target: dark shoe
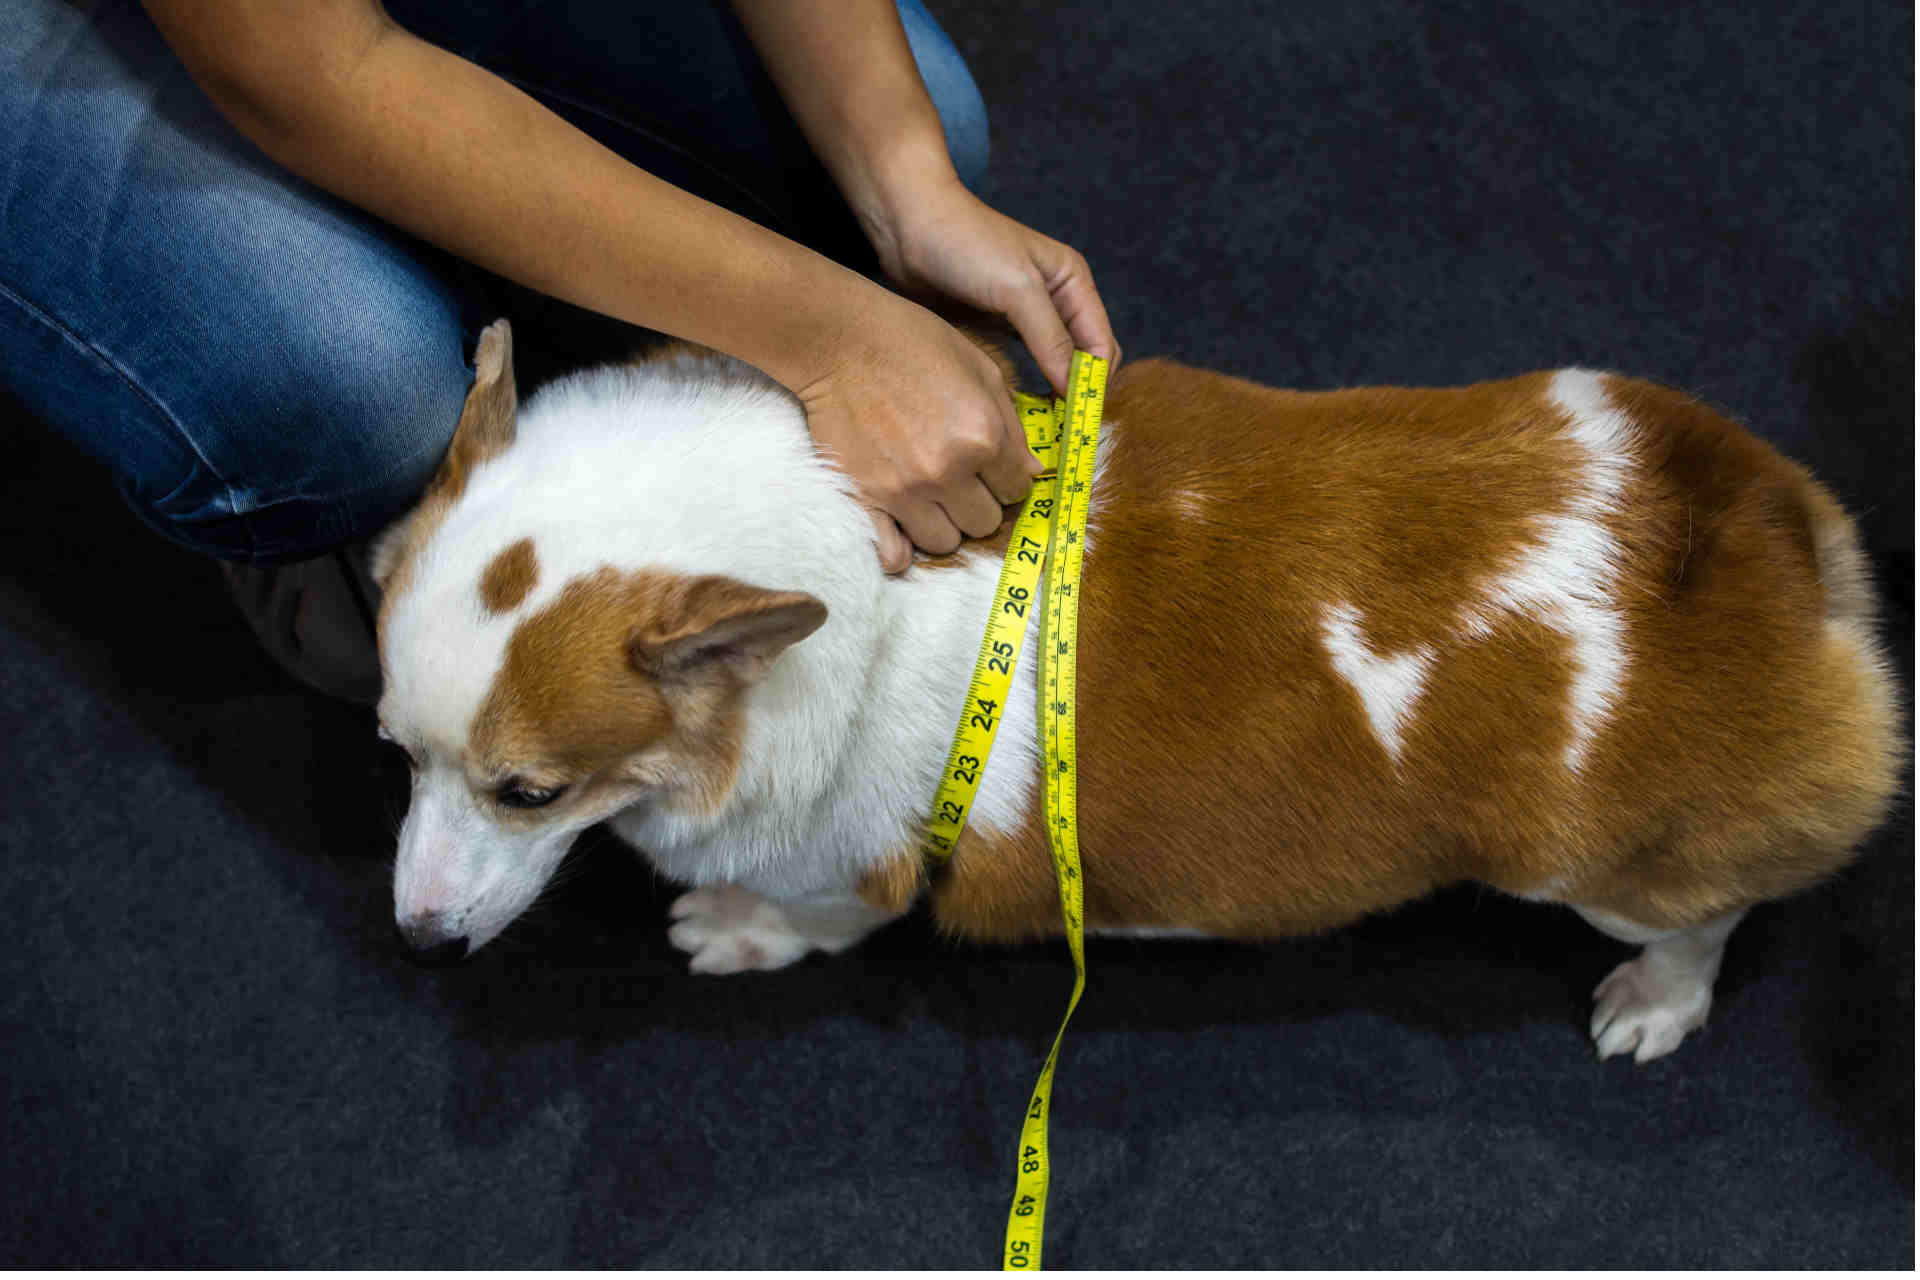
pixel 316 617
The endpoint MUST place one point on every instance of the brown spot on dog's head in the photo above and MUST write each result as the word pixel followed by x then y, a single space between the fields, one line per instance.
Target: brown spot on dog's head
pixel 509 577
pixel 636 678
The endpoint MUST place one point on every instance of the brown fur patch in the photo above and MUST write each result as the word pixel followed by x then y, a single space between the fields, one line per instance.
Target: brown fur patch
pixel 567 702
pixel 893 885
pixel 634 678
pixel 509 577
pixel 1230 780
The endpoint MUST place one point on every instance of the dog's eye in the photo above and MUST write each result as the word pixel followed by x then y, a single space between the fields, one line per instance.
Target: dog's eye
pixel 517 795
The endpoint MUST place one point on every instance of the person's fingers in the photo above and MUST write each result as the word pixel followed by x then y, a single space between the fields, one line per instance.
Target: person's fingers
pixel 972 507
pixel 1010 472
pixel 925 427
pixel 1075 298
pixel 928 526
pixel 895 552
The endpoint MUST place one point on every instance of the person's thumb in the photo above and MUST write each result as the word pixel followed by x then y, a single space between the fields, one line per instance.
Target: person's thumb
pixel 1040 327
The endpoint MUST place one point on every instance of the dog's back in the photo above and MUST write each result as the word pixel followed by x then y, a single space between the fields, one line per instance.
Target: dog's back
pixel 1573 635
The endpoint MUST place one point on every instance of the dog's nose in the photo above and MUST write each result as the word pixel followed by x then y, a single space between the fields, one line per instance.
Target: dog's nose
pixel 429 946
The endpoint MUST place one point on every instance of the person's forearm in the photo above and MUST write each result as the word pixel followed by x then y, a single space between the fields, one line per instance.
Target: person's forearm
pixel 845 70
pixel 455 155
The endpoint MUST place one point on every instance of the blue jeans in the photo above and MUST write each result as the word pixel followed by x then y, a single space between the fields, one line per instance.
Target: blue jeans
pixel 268 372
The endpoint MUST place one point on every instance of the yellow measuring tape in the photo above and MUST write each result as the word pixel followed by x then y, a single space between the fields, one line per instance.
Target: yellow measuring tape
pixel 1053 524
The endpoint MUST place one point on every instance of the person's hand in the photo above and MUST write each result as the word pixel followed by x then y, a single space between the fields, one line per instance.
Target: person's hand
pixel 918 417
pixel 921 420
pixel 947 240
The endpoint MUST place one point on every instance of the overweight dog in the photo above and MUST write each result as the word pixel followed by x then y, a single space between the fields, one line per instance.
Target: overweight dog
pixel 1570 635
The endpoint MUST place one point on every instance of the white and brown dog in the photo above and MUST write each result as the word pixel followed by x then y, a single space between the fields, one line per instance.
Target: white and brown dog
pixel 1570 635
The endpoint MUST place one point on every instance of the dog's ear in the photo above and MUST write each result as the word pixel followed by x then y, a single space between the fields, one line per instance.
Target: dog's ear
pixel 486 421
pixel 484 431
pixel 716 624
pixel 387 550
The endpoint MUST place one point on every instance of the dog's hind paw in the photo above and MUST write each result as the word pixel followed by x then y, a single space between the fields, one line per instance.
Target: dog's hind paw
pixel 727 929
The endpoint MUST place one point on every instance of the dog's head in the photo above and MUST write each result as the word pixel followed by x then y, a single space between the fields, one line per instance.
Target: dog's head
pixel 537 689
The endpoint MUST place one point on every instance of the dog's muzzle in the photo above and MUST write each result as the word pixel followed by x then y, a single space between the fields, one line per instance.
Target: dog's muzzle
pixel 430 945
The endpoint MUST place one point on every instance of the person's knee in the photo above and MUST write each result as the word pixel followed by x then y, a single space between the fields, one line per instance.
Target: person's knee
pixel 267 372
pixel 963 113
pixel 327 431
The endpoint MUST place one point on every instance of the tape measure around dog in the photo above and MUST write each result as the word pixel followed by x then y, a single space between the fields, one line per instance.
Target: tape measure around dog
pixel 1051 526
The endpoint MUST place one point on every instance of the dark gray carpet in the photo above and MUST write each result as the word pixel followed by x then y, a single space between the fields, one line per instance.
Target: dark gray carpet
pixel 214 1057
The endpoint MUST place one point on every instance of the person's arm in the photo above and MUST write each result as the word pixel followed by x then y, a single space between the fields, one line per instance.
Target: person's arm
pixel 847 73
pixel 337 93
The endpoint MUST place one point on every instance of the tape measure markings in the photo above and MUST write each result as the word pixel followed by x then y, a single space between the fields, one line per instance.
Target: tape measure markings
pixel 1063 433
pixel 1057 687
pixel 1013 597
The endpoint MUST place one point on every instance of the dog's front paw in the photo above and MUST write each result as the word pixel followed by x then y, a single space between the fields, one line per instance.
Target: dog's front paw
pixel 1647 1009
pixel 728 929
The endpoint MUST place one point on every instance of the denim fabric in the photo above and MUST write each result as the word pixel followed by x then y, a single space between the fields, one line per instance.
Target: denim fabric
pixel 268 372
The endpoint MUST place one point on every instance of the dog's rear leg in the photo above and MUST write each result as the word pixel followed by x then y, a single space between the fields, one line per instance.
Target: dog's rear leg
pixel 728 929
pixel 1648 1004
